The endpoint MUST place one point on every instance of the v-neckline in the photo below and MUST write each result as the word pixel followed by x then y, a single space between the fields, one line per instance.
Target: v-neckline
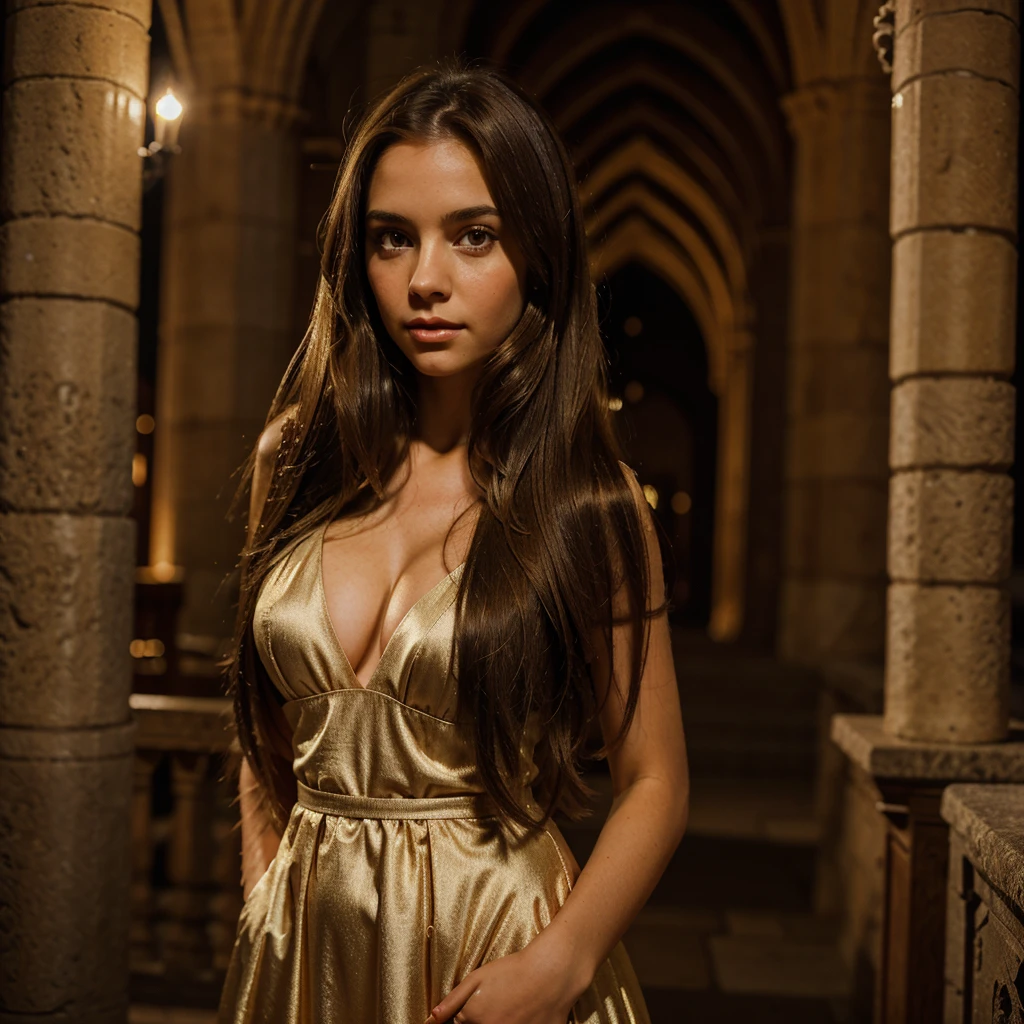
pixel 346 663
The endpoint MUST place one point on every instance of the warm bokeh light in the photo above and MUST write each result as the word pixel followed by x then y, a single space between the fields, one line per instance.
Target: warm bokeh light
pixel 633 391
pixel 146 648
pixel 633 326
pixel 168 106
pixel 139 469
pixel 165 572
pixel 651 495
pixel 615 404
pixel 681 503
pixel 145 424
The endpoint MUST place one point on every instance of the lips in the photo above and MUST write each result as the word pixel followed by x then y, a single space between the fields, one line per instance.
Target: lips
pixel 433 329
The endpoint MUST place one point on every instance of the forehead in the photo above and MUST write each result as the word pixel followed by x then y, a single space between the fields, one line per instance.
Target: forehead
pixel 428 179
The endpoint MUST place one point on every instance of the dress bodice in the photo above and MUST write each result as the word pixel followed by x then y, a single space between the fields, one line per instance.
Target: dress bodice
pixel 394 878
pixel 395 737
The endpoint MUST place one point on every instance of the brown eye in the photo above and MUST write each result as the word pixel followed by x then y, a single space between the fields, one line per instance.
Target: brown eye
pixel 477 238
pixel 393 240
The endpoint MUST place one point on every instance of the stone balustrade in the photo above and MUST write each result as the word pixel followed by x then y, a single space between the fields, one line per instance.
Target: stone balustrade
pixel 985 907
pixel 186 894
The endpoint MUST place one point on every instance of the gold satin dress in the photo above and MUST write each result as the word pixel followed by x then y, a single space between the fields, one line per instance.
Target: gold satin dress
pixel 393 879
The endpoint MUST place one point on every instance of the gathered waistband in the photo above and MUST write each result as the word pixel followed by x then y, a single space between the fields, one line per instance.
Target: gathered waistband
pixel 345 805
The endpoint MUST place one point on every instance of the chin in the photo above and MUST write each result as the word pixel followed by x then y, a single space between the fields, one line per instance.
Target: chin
pixel 443 363
pixel 436 364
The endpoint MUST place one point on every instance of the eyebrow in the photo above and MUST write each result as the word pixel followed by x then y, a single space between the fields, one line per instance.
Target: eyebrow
pixel 468 213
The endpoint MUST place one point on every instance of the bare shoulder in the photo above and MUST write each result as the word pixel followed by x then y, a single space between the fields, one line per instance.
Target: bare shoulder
pixel 639 498
pixel 270 438
pixel 263 471
pixel 652 543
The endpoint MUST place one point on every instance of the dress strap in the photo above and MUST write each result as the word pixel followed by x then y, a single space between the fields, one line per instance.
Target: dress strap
pixel 345 805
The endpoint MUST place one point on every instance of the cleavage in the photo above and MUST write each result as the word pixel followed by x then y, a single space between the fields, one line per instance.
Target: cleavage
pixel 364 616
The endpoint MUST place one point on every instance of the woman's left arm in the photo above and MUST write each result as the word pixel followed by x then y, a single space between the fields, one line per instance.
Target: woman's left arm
pixel 650 783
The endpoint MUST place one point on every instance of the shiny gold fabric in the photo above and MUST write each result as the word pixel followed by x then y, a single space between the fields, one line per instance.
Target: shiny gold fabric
pixel 393 879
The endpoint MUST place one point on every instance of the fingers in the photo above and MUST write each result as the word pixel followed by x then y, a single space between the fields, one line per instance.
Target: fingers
pixel 447 1009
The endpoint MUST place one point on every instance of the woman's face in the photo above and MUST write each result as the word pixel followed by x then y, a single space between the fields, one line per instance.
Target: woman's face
pixel 447 276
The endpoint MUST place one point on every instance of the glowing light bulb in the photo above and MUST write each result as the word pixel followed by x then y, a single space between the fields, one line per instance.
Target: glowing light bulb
pixel 169 107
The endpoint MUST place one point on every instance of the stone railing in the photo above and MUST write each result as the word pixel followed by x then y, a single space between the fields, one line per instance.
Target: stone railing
pixel 985 908
pixel 186 894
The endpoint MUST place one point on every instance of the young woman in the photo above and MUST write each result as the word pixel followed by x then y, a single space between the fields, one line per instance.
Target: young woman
pixel 409 728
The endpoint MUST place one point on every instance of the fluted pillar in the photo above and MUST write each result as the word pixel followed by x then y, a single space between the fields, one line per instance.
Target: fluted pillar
pixel 833 589
pixel 75 84
pixel 227 330
pixel 955 117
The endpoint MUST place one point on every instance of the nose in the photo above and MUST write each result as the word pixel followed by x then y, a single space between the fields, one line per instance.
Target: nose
pixel 431 278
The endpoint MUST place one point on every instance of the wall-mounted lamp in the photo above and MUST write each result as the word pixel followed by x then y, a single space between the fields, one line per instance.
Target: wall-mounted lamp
pixel 167 113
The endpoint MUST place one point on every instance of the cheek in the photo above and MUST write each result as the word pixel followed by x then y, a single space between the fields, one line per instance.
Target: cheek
pixel 500 293
pixel 388 287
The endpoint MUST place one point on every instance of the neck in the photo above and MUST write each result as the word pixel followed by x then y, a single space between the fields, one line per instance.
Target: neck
pixel 443 410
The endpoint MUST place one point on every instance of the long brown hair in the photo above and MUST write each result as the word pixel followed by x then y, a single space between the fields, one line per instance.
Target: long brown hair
pixel 559 531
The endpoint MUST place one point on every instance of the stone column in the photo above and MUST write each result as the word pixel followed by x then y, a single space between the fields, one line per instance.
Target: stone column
pixel 955 109
pixel 955 117
pixel 75 87
pixel 833 591
pixel 226 334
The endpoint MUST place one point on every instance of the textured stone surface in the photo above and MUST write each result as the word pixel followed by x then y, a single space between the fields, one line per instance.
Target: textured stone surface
pixel 953 303
pixel 70 190
pixel 77 143
pixel 79 41
pixel 78 744
pixel 967 40
pixel 909 11
pixel 63 888
pixel 65 619
pixel 864 740
pixel 954 154
pixel 947 663
pixel 70 257
pixel 67 405
pixel 139 10
pixel 952 421
pixel 950 526
pixel 990 823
